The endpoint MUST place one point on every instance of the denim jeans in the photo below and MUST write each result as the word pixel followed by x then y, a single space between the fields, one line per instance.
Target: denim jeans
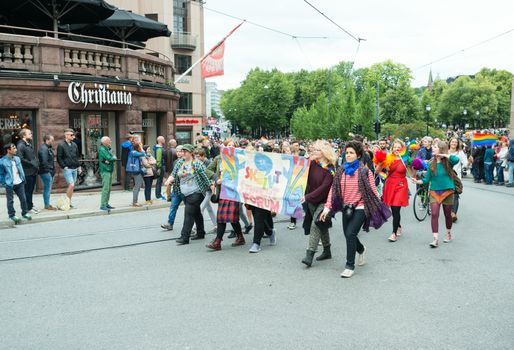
pixel 488 169
pixel 500 174
pixel 48 180
pixel 20 192
pixel 148 187
pixel 30 184
pixel 511 173
pixel 176 199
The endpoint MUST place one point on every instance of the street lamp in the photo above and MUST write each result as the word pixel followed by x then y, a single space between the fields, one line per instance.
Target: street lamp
pixel 428 108
pixel 478 118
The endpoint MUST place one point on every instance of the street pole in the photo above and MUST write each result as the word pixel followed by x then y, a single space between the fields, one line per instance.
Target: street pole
pixel 428 108
pixel 377 122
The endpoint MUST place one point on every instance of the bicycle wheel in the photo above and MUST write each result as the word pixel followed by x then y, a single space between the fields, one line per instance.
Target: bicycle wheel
pixel 420 205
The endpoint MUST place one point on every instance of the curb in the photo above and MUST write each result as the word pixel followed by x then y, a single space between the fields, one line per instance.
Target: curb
pixel 36 220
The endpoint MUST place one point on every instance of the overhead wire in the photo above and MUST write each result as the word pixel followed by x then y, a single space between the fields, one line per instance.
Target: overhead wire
pixel 465 49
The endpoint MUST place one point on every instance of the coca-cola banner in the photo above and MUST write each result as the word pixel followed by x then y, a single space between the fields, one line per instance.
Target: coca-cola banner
pixel 212 65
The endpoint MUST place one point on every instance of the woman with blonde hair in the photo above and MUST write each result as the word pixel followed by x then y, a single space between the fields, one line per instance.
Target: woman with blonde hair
pixel 396 189
pixel 456 150
pixel 441 179
pixel 319 182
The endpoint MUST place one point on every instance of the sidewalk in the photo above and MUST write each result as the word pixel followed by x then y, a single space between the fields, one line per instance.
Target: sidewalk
pixel 88 204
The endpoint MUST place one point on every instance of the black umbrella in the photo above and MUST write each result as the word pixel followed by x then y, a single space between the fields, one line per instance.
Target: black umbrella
pixel 59 11
pixel 124 26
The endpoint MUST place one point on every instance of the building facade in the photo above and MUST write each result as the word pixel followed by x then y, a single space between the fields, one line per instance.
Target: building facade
pixel 183 48
pixel 213 98
pixel 48 85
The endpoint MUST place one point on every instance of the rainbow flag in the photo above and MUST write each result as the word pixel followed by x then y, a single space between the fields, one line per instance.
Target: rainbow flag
pixel 484 140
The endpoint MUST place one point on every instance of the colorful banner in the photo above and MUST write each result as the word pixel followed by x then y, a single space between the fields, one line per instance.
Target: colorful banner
pixel 271 181
pixel 483 140
pixel 212 65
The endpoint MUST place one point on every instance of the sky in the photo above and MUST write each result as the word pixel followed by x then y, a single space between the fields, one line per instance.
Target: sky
pixel 411 32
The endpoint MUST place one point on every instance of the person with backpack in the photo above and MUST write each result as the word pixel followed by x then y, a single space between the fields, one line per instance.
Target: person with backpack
pixel 133 168
pixel 126 146
pixel 510 161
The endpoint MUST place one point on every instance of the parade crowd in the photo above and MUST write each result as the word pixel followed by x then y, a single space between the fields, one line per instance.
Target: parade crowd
pixel 365 180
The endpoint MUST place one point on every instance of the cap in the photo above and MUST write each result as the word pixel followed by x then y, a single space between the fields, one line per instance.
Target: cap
pixel 188 147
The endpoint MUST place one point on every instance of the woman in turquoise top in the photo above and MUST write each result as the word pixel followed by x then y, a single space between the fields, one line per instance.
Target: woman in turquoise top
pixel 441 180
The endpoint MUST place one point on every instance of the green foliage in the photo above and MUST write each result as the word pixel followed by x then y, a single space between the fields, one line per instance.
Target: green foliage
pixel 416 129
pixel 400 105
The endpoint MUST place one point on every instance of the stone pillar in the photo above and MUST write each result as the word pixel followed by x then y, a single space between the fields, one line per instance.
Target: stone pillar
pixel 169 118
pixel 130 120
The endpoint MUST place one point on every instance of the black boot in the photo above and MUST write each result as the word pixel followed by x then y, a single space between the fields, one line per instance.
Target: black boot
pixel 308 258
pixel 326 254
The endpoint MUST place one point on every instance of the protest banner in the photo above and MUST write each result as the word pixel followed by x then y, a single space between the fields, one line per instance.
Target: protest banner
pixel 271 181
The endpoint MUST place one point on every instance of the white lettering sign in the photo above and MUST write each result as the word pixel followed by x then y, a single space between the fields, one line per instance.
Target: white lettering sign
pixel 100 95
pixel 9 124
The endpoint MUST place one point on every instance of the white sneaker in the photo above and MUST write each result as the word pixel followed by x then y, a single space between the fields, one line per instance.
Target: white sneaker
pixel 291 226
pixel 273 237
pixel 34 210
pixel 347 273
pixel 360 259
pixel 255 248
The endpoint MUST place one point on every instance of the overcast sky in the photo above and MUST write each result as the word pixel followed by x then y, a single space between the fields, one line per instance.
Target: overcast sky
pixel 412 32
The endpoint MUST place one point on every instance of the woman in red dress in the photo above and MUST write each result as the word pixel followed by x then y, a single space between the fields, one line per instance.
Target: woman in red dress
pixel 396 190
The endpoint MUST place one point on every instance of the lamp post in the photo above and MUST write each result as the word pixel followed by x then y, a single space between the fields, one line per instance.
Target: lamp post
pixel 465 112
pixel 478 119
pixel 428 108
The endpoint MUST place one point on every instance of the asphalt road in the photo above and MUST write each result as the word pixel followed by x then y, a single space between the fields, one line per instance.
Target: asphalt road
pixel 119 282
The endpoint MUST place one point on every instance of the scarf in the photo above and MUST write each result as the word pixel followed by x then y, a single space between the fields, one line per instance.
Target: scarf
pixel 349 168
pixel 328 167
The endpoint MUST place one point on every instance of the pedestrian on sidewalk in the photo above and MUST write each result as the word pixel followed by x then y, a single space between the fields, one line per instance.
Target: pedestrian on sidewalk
pixel 354 193
pixel 190 180
pixel 148 163
pixel 501 162
pixel 160 166
pixel 126 147
pixel 12 178
pixel 30 163
pixel 171 157
pixel 133 168
pixel 47 168
pixel 106 160
pixel 68 157
pixel 321 175
pixel 510 162
pixel 441 177
pixel 175 197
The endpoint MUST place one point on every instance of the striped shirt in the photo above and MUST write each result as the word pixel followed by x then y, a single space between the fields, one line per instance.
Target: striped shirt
pixel 350 190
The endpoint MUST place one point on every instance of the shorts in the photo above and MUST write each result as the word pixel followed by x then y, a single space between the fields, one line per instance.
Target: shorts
pixel 70 175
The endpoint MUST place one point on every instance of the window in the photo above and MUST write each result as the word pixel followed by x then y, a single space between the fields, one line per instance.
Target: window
pixel 11 123
pixel 185 103
pixel 180 16
pixel 182 63
pixel 152 16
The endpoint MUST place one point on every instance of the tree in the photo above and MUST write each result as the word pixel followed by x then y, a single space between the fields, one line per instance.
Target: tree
pixel 389 75
pixel 502 81
pixel 400 104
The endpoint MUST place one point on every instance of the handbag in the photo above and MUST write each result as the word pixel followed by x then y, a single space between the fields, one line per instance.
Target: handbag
pixel 323 225
pixel 215 198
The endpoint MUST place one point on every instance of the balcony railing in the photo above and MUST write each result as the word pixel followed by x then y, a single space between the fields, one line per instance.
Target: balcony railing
pixel 56 56
pixel 184 41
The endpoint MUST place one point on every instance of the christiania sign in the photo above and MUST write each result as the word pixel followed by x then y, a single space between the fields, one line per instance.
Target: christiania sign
pixel 100 94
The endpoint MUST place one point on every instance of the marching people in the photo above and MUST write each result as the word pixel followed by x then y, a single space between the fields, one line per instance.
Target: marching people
pixel 106 161
pixel 68 157
pixel 510 162
pixel 456 150
pixel 206 204
pixel 425 152
pixel 30 163
pixel 228 211
pixel 396 189
pixel 441 180
pixel 176 197
pixel 149 170
pixel 319 182
pixel 133 168
pixel 160 166
pixel 191 182
pixel 501 162
pixel 47 169
pixel 12 178
pixel 354 193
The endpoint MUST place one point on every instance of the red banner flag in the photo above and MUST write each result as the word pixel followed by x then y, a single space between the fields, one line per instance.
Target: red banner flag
pixel 212 65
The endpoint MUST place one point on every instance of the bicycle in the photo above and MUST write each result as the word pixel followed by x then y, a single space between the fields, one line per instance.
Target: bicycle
pixel 421 203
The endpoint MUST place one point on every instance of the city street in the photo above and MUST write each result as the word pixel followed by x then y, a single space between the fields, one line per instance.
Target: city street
pixel 120 282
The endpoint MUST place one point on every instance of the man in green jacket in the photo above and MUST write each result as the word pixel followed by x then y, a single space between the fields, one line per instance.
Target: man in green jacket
pixel 107 161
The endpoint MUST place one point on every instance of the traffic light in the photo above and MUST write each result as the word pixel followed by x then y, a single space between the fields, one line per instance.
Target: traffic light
pixel 377 127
